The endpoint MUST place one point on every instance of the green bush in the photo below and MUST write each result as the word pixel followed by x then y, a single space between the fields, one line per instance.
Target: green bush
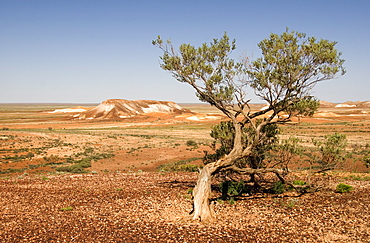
pixel 182 165
pixel 343 188
pixel 30 155
pixel 188 168
pixel 299 183
pixel 192 143
pixel 278 188
pixel 76 168
pixel 69 208
pixel 231 189
pixel 332 150
pixel 303 186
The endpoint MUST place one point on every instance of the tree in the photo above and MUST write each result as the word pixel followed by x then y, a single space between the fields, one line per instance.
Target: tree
pixel 290 66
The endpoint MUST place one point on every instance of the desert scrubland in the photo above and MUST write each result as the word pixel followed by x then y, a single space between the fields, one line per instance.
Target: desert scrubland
pixel 134 176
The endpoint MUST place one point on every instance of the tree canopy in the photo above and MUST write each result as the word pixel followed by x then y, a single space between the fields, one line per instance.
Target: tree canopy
pixel 290 66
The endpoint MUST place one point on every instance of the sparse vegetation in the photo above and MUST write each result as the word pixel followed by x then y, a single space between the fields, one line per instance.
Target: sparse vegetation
pixel 182 165
pixel 267 211
pixel 343 188
pixel 172 192
pixel 332 151
pixel 69 208
pixel 192 143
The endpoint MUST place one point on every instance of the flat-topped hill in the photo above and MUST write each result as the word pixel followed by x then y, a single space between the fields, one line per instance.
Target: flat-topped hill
pixel 120 108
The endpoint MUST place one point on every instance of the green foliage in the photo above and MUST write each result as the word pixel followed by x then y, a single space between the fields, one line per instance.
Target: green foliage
pixel 76 168
pixel 343 188
pixel 278 187
pixel 231 189
pixel 17 158
pixel 299 183
pixel 192 143
pixel 69 208
pixel 291 65
pixel 332 150
pixel 53 159
pixel 304 107
pixel 303 187
pixel 83 160
pixel 209 62
pixel 182 165
pixel 188 168
pixel 231 200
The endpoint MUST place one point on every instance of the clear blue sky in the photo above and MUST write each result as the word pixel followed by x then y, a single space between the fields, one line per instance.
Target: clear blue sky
pixel 87 51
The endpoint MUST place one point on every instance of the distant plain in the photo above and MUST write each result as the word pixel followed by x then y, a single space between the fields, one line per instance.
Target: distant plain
pixel 32 136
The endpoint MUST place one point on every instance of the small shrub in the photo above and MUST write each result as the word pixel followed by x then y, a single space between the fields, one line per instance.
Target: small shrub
pixel 69 208
pixel 188 168
pixel 192 143
pixel 182 165
pixel 299 183
pixel 232 188
pixel 76 168
pixel 278 188
pixel 303 186
pixel 332 151
pixel 30 155
pixel 343 188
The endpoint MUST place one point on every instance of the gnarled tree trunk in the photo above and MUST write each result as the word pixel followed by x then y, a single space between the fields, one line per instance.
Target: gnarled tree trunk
pixel 202 194
pixel 202 210
pixel 202 191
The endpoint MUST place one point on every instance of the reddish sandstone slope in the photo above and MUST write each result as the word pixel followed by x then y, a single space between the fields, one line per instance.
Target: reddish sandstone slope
pixel 119 108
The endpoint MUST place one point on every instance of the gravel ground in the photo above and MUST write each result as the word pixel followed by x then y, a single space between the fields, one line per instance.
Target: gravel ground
pixel 154 207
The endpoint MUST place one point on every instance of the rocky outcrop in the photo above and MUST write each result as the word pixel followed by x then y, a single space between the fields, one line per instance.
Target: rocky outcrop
pixel 119 108
pixel 326 104
pixel 356 104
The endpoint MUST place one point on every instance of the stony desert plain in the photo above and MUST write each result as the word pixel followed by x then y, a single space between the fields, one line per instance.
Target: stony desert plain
pixel 134 191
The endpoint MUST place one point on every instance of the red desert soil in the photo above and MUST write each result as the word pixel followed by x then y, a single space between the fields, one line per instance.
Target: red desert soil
pixel 154 207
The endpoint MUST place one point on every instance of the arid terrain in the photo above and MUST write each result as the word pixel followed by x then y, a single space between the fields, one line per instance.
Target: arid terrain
pixel 129 195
